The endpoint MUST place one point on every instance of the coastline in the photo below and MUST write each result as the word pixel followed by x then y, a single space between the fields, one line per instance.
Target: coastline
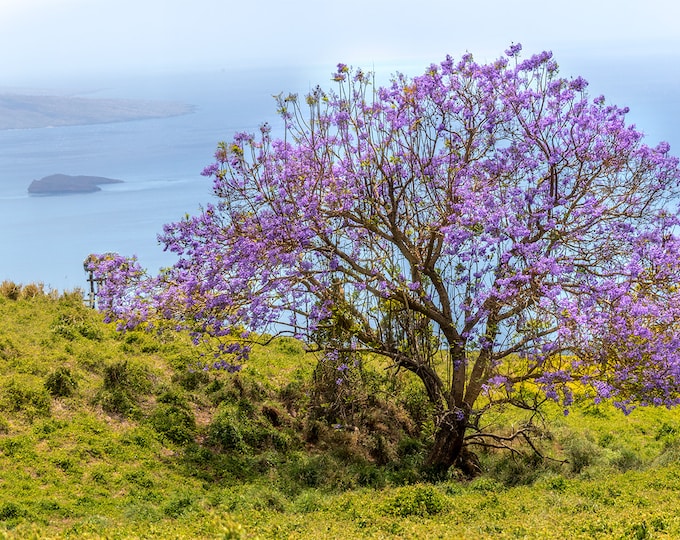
pixel 25 111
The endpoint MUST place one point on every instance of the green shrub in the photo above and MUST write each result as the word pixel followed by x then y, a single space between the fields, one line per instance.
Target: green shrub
pixel 142 437
pixel 116 376
pixel 172 396
pixel 485 484
pixel 308 501
pixel 10 510
pixel 639 531
pixel 582 452
pixel 74 323
pixel 418 500
pixel 26 397
pixel 175 422
pixel 626 459
pixel 224 431
pixel 666 432
pixel 556 483
pixel 119 402
pixel 669 454
pixel 123 383
pixel 370 475
pixel 178 506
pixel 8 351
pixel 416 403
pixel 518 470
pixel 139 478
pixel 61 383
pixel 308 471
pixel 191 379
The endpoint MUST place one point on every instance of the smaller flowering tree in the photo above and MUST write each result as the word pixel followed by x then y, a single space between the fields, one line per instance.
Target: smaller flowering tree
pixel 487 227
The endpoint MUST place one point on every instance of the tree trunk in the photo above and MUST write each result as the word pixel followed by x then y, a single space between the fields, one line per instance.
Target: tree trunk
pixel 448 444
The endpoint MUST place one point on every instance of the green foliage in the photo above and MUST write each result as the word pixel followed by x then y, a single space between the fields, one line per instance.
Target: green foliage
pixel 309 471
pixel 76 323
pixel 486 485
pixel 667 432
pixel 61 382
pixel 224 432
pixel 10 510
pixel 27 396
pixel 582 452
pixel 173 418
pixel 418 406
pixel 123 382
pixel 518 470
pixel 418 500
pixel 212 455
pixel 178 506
pixel 626 459
pixel 190 379
pixel 8 351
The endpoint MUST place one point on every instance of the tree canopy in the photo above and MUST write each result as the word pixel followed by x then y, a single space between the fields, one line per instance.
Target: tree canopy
pixel 488 227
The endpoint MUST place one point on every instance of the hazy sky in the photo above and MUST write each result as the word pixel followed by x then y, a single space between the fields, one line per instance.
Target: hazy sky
pixel 43 39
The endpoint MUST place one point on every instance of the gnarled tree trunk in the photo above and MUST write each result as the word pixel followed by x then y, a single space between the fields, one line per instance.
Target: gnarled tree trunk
pixel 448 443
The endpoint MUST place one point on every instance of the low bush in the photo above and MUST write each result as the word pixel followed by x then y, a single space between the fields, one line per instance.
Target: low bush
pixel 33 290
pixel 10 290
pixel 61 382
pixel 26 396
pixel 8 350
pixel 190 379
pixel 178 506
pixel 308 471
pixel 174 421
pixel 118 401
pixel 123 383
pixel 582 452
pixel 10 510
pixel 418 500
pixel 76 323
pixel 224 432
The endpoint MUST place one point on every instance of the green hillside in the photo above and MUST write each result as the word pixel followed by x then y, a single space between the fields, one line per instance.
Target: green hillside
pixel 122 435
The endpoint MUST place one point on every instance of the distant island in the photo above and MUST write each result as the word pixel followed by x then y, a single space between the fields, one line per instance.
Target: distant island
pixel 18 111
pixel 62 184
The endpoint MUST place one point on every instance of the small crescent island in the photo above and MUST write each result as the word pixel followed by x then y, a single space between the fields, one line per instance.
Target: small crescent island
pixel 63 184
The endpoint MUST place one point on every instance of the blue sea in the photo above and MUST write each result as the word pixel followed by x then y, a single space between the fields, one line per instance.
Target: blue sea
pixel 46 239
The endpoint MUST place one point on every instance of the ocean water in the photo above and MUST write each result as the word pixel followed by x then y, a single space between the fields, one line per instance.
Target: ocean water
pixel 46 239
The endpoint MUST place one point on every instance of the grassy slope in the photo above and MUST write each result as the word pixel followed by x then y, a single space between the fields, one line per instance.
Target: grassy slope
pixel 144 448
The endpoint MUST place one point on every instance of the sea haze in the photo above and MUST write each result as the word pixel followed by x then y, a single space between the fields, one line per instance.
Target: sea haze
pixel 45 239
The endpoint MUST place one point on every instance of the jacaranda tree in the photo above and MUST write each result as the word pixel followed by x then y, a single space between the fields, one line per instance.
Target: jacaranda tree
pixel 488 228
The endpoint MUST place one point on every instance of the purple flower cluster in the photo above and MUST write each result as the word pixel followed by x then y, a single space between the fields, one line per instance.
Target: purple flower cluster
pixel 493 205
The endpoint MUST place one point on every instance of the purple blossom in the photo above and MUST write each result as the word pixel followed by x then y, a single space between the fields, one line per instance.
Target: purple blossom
pixel 514 50
pixel 210 170
pixel 494 212
pixel 578 84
